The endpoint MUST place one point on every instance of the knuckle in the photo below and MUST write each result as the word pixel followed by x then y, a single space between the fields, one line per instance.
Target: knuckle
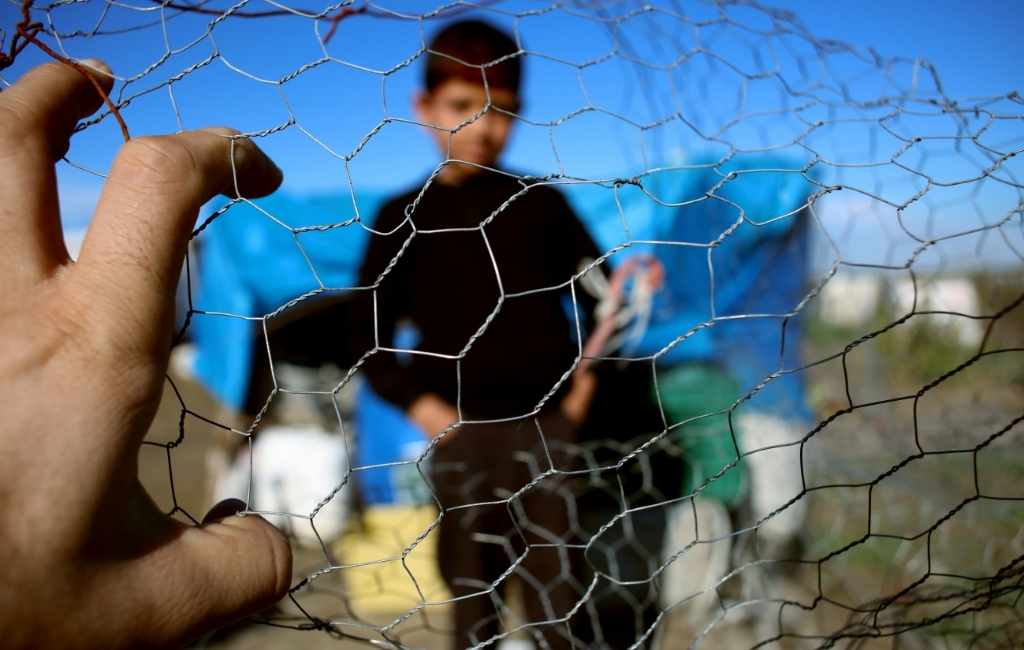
pixel 158 162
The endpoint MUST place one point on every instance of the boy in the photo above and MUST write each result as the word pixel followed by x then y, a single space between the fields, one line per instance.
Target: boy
pixel 474 245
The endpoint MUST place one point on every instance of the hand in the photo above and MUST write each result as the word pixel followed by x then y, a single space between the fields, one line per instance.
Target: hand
pixel 576 402
pixel 433 415
pixel 87 559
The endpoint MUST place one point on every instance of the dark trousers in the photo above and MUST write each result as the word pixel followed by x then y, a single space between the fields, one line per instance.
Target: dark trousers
pixel 499 513
pixel 621 560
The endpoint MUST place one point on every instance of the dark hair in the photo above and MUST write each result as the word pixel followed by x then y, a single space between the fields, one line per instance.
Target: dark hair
pixel 457 50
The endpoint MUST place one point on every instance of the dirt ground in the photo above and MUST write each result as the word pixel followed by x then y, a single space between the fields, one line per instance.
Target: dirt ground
pixel 917 528
pixel 180 477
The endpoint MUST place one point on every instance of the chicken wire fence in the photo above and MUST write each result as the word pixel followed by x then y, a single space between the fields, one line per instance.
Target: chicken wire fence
pixel 823 290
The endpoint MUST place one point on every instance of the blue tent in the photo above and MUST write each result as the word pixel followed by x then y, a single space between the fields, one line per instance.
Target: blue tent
pixel 740 241
pixel 252 261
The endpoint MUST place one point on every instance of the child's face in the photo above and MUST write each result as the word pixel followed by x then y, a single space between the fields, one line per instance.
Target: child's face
pixel 455 102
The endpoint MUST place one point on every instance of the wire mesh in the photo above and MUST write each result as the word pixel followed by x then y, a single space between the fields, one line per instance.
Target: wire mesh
pixel 889 507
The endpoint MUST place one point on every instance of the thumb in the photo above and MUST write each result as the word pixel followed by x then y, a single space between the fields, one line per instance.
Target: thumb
pixel 237 566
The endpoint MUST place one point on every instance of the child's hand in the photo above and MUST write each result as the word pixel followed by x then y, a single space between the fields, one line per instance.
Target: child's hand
pixel 433 415
pixel 576 402
pixel 87 559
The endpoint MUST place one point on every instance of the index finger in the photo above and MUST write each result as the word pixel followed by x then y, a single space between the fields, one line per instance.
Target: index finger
pixel 37 117
pixel 136 244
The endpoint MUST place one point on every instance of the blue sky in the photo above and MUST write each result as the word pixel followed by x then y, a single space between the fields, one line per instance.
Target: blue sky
pixel 974 46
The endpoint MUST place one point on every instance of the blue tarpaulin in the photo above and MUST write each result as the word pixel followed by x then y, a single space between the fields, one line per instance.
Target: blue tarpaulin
pixel 252 262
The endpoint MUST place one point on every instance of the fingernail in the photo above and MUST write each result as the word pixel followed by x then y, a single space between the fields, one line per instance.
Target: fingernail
pixel 96 65
pixel 224 509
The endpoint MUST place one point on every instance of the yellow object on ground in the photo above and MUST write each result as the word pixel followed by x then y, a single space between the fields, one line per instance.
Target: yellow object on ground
pixel 390 563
